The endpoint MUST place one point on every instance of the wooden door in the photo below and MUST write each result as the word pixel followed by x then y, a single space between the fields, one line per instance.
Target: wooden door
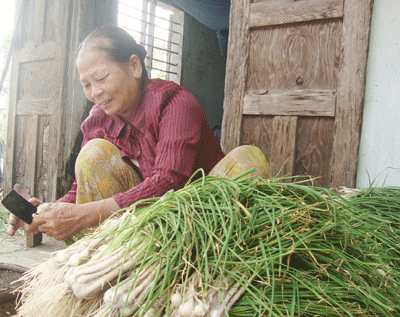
pixel 295 84
pixel 37 96
pixel 47 103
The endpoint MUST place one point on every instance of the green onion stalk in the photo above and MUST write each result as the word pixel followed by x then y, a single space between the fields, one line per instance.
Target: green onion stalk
pixel 246 247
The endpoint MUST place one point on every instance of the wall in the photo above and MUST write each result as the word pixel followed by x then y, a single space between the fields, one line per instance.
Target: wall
pixel 203 68
pixel 379 155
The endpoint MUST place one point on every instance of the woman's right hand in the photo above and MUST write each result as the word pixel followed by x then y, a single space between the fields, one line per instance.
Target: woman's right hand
pixel 14 223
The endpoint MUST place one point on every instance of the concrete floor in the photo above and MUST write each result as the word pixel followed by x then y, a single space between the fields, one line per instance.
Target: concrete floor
pixel 15 251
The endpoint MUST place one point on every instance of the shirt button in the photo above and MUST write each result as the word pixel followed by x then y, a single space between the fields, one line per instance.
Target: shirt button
pixel 138 152
pixel 128 126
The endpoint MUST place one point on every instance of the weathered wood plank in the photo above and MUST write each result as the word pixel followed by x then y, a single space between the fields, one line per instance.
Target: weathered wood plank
pixel 43 156
pixel 11 129
pixel 30 136
pixel 39 21
pixel 283 145
pixel 274 12
pixel 295 56
pixel 51 20
pixel 37 81
pixel 24 160
pixel 236 70
pixel 275 137
pixel 313 148
pixel 23 151
pixel 313 145
pixel 350 93
pixel 257 130
pixel 31 53
pixel 36 107
pixel 32 240
pixel 306 102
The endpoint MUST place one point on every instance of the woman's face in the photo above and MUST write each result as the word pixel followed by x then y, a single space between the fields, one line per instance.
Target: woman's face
pixel 113 86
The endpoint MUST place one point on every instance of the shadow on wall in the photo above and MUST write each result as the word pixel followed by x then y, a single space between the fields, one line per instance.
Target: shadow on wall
pixel 203 68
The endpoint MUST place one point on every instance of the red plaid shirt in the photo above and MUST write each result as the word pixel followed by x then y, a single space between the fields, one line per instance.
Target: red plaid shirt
pixel 168 135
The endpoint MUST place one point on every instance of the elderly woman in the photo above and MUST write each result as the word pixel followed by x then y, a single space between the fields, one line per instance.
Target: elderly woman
pixel 142 138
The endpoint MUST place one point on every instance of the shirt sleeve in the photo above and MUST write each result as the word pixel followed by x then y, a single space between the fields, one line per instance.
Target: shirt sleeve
pixel 70 197
pixel 179 128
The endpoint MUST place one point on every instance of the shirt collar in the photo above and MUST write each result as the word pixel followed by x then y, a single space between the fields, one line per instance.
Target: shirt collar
pixel 138 118
pixel 115 127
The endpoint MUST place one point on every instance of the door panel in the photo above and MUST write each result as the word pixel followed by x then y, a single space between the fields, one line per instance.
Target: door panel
pixel 302 55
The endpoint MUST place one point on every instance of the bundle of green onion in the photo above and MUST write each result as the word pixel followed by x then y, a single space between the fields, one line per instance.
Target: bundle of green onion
pixel 241 247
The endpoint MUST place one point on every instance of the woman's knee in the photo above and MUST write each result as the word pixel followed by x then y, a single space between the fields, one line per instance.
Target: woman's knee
pixel 240 160
pixel 246 149
pixel 96 151
pixel 256 159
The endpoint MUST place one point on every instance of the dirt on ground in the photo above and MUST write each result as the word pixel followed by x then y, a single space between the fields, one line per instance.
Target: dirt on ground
pixel 16 258
pixel 15 254
pixel 9 276
pixel 7 310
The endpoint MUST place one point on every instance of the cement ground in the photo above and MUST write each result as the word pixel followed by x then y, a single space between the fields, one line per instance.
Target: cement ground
pixel 15 251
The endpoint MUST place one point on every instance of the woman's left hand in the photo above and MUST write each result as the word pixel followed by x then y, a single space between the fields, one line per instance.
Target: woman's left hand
pixel 62 221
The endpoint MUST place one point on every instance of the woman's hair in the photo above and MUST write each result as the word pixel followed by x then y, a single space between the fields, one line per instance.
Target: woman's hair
pixel 117 43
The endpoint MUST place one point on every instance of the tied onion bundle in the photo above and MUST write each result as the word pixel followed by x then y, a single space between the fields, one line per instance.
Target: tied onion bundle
pixel 240 247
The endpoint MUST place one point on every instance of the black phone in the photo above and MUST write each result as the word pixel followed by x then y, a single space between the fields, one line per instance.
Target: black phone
pixel 19 206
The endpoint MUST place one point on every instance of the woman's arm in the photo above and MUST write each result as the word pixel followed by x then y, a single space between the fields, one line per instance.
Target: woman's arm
pixel 64 220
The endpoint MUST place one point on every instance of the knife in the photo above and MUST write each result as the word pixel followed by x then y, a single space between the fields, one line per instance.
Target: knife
pixel 17 203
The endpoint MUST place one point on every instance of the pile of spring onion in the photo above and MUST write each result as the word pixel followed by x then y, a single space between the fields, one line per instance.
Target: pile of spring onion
pixel 240 247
